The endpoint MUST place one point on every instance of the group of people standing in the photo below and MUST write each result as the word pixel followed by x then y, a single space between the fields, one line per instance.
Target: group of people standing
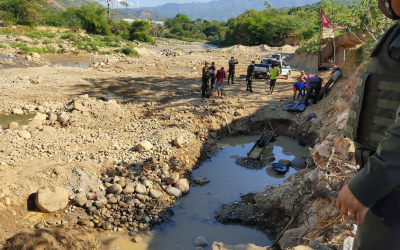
pixel 305 85
pixel 211 78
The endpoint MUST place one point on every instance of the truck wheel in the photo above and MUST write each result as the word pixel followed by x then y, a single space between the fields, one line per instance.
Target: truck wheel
pixel 287 76
pixel 257 76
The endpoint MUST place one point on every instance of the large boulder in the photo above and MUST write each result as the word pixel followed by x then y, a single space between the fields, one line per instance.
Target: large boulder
pixel 52 199
pixel 183 185
pixel 174 192
pixel 144 146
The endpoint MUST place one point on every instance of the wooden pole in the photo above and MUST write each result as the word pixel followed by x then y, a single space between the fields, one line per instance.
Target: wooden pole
pixel 334 42
pixel 321 27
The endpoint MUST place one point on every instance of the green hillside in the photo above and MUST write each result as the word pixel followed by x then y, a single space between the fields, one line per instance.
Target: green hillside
pixel 143 14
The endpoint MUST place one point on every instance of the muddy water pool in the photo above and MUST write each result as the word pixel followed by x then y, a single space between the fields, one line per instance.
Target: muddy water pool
pixel 194 213
pixel 21 119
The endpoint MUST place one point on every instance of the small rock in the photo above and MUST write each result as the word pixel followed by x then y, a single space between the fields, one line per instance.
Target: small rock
pixel 52 199
pixel 201 180
pixel 13 125
pixel 18 112
pixel 173 178
pixel 40 117
pixel 147 183
pixel 201 241
pixel 7 201
pixel 271 159
pixel 144 146
pixel 183 185
pixel 323 133
pixel 285 163
pixel 24 134
pixel 213 135
pixel 136 238
pixel 299 163
pixel 129 189
pixel 179 141
pixel 35 123
pixel 140 189
pixel 155 194
pixel 52 117
pixel 174 192
pixel 85 96
pixel 100 203
pixel 115 189
pixel 80 201
pixel 49 130
pixel 63 118
pixel 78 106
pixel 112 200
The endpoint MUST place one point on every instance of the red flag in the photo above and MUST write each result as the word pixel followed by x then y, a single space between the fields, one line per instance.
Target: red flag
pixel 327 24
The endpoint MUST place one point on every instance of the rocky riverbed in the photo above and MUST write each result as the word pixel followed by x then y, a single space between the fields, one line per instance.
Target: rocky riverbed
pixel 122 162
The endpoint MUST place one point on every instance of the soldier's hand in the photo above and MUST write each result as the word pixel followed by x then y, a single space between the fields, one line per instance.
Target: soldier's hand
pixel 350 207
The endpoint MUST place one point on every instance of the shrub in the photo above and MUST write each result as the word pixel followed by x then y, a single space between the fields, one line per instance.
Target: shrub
pixel 129 51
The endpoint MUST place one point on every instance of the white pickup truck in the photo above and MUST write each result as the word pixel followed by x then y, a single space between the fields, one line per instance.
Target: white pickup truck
pixel 262 69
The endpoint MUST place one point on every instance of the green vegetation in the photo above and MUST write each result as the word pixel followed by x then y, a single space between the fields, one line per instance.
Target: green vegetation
pixel 139 31
pixel 25 49
pixel 269 26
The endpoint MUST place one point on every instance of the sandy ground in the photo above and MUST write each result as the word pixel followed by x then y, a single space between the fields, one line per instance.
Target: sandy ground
pixel 152 97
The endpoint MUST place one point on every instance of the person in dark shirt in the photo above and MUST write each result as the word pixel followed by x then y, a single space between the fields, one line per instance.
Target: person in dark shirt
pixel 232 67
pixel 213 75
pixel 298 86
pixel 205 77
pixel 250 75
pixel 315 85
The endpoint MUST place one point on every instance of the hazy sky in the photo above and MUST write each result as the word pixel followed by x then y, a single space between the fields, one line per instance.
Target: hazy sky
pixel 151 3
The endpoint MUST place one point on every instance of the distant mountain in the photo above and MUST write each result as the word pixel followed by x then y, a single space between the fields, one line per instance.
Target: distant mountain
pixel 144 14
pixel 225 9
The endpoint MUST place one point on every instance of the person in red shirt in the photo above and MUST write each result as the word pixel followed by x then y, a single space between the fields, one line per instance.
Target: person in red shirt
pixel 221 74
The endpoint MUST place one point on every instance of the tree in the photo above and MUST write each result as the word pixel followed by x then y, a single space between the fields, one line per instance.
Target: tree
pixel 139 31
pixel 29 12
pixel 367 16
pixel 93 18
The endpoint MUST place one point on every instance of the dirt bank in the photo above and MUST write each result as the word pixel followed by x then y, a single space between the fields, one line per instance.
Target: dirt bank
pixel 306 199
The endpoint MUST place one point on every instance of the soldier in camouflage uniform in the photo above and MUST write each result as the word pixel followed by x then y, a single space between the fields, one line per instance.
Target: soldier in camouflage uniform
pixel 372 197
pixel 232 66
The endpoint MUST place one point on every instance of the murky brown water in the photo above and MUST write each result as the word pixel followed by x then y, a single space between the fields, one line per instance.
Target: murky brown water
pixel 193 214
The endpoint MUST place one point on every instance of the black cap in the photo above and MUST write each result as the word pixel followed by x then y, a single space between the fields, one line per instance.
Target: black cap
pixel 386 8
